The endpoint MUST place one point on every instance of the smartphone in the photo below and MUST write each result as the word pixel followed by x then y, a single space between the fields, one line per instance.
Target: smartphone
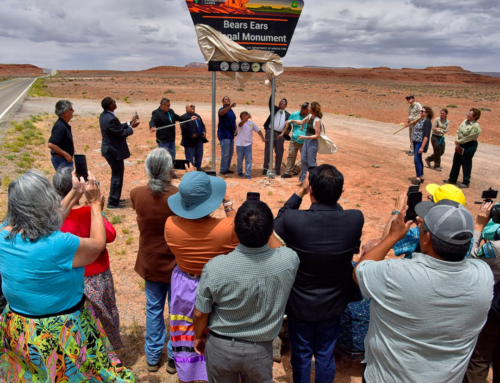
pixel 414 198
pixel 357 248
pixel 253 196
pixel 211 173
pixel 81 166
pixel 489 194
pixel 413 188
pixel 180 164
pixel 136 113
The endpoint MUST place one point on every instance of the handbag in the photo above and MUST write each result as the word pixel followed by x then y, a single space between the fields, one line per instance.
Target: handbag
pixel 325 144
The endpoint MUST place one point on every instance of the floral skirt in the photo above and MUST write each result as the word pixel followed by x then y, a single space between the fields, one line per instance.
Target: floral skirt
pixel 100 291
pixel 68 348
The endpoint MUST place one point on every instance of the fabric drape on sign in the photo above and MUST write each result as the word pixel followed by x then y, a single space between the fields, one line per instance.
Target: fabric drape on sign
pixel 216 46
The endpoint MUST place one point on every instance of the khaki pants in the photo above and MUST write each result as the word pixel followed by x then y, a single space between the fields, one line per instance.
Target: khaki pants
pixel 411 128
pixel 293 149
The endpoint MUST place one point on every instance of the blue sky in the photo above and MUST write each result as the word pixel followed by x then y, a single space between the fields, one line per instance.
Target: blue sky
pixel 132 35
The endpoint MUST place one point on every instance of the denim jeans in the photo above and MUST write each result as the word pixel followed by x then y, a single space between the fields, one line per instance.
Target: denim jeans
pixel 417 158
pixel 170 146
pixel 308 156
pixel 195 154
pixel 244 152
pixel 156 294
pixel 227 149
pixel 58 161
pixel 313 338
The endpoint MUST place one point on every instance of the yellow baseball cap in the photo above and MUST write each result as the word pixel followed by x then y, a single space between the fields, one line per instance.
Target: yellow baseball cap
pixel 446 191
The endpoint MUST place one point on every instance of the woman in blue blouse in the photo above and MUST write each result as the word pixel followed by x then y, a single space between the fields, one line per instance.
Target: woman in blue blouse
pixel 49 333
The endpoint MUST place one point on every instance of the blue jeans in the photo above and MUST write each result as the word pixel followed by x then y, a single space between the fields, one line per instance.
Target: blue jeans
pixel 308 156
pixel 313 338
pixel 417 158
pixel 58 161
pixel 170 146
pixel 227 149
pixel 156 294
pixel 195 154
pixel 244 152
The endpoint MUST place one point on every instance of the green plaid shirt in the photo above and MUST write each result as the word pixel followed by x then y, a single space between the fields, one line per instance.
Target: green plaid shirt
pixel 246 291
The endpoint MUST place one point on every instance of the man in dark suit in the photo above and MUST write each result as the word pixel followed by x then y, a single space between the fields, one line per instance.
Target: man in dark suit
pixel 114 147
pixel 280 118
pixel 193 136
pixel 325 237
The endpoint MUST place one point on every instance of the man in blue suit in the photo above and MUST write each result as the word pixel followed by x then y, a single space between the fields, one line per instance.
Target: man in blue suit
pixel 114 147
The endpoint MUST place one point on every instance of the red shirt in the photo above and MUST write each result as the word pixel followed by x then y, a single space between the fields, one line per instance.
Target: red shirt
pixel 78 223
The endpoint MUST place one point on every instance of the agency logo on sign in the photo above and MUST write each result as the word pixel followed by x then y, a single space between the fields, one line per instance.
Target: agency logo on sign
pixel 224 66
pixel 245 67
pixel 294 4
pixel 256 67
pixel 235 67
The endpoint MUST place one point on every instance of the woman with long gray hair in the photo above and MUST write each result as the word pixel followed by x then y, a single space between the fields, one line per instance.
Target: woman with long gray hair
pixel 50 333
pixel 99 287
pixel 155 261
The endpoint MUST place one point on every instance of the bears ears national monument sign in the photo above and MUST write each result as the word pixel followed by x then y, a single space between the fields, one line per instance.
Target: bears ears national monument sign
pixel 267 25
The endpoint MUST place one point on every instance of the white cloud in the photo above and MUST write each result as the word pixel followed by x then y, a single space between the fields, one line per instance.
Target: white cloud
pixel 129 35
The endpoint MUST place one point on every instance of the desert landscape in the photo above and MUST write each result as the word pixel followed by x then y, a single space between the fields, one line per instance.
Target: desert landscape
pixel 363 108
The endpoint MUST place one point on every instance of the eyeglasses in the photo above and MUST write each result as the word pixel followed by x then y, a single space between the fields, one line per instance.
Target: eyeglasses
pixel 423 111
pixel 71 109
pixel 192 106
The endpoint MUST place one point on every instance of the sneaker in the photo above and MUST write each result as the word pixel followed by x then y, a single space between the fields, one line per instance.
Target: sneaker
pixel 286 176
pixel 249 178
pixel 224 172
pixel 171 369
pixel 153 367
pixel 229 171
pixel 463 186
pixel 241 174
pixel 295 173
pixel 410 153
pixel 438 168
pixel 428 162
pixel 448 181
pixel 278 173
pixel 277 343
pixel 264 172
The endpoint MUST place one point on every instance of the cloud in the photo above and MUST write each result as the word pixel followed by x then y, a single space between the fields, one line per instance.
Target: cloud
pixel 131 35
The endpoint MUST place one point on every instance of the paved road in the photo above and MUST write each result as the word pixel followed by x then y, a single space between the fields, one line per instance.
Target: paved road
pixel 11 93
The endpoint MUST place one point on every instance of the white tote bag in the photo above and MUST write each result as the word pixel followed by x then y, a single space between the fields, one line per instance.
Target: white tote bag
pixel 325 145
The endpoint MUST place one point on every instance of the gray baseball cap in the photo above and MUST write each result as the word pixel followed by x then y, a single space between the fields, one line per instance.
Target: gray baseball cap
pixel 446 219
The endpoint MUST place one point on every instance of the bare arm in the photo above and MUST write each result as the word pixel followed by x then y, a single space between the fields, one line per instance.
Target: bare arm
pixel 226 109
pixel 74 195
pixel 59 151
pixel 200 321
pixel 90 248
pixel 261 136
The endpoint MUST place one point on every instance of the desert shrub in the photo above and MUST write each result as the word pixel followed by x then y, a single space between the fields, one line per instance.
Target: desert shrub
pixel 451 106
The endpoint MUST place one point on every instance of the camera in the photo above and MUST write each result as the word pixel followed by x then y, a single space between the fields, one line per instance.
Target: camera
pixel 488 196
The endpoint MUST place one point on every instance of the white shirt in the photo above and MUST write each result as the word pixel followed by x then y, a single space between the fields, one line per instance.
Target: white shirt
pixel 244 137
pixel 279 121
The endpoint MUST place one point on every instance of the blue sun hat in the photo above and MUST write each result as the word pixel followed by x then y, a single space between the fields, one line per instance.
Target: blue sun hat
pixel 198 196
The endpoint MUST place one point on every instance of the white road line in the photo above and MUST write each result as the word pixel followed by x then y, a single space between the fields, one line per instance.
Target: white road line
pixel 11 105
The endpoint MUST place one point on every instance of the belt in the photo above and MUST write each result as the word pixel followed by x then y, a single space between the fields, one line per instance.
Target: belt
pixel 57 155
pixel 231 338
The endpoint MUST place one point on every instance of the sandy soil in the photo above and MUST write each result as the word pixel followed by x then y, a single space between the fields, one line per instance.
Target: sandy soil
pixel 372 159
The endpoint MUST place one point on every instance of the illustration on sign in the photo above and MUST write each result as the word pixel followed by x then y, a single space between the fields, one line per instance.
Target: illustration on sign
pixel 255 24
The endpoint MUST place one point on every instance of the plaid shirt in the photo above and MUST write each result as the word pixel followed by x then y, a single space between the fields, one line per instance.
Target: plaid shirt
pixel 408 244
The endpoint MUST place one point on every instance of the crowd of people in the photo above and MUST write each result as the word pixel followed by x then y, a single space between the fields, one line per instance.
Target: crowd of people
pixel 423 131
pixel 432 315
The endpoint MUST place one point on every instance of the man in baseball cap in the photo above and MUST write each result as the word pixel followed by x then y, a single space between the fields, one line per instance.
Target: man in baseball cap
pixel 427 310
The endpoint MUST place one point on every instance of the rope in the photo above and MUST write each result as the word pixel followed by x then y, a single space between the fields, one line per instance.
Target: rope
pixel 169 126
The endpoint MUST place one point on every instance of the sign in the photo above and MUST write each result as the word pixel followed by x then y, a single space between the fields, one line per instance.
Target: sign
pixel 226 66
pixel 267 25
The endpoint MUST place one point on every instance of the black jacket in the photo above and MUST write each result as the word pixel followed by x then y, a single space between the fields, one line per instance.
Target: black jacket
pixel 114 136
pixel 273 110
pixel 160 118
pixel 190 128
pixel 427 133
pixel 324 237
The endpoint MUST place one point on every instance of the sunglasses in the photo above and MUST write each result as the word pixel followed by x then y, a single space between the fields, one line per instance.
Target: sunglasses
pixel 192 106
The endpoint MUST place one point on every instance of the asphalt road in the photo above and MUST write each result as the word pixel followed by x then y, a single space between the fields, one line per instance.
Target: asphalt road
pixel 11 93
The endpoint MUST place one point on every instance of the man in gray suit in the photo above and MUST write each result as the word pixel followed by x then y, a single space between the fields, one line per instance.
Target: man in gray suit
pixel 114 147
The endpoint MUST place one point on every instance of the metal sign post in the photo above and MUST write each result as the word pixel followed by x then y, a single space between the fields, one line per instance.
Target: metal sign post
pixel 270 170
pixel 214 154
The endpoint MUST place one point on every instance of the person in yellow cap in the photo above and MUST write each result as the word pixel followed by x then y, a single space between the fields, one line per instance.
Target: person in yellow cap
pixel 410 243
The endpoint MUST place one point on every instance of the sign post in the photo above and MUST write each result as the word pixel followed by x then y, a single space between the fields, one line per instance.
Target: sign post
pixel 266 25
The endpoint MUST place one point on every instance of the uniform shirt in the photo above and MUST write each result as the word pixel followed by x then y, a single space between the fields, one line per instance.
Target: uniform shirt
pixel 425 317
pixel 468 131
pixel 245 134
pixel 246 291
pixel 414 111
pixel 442 127
pixel 61 136
pixel 296 129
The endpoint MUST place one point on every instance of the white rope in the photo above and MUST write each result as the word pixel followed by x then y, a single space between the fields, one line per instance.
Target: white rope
pixel 169 126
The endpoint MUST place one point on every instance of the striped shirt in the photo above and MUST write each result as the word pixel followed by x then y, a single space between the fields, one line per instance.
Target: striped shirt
pixel 246 291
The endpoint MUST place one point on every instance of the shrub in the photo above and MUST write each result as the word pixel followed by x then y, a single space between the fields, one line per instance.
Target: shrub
pixel 451 106
pixel 116 219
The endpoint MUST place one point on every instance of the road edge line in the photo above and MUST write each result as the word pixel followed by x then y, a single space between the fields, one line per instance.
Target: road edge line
pixel 17 99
